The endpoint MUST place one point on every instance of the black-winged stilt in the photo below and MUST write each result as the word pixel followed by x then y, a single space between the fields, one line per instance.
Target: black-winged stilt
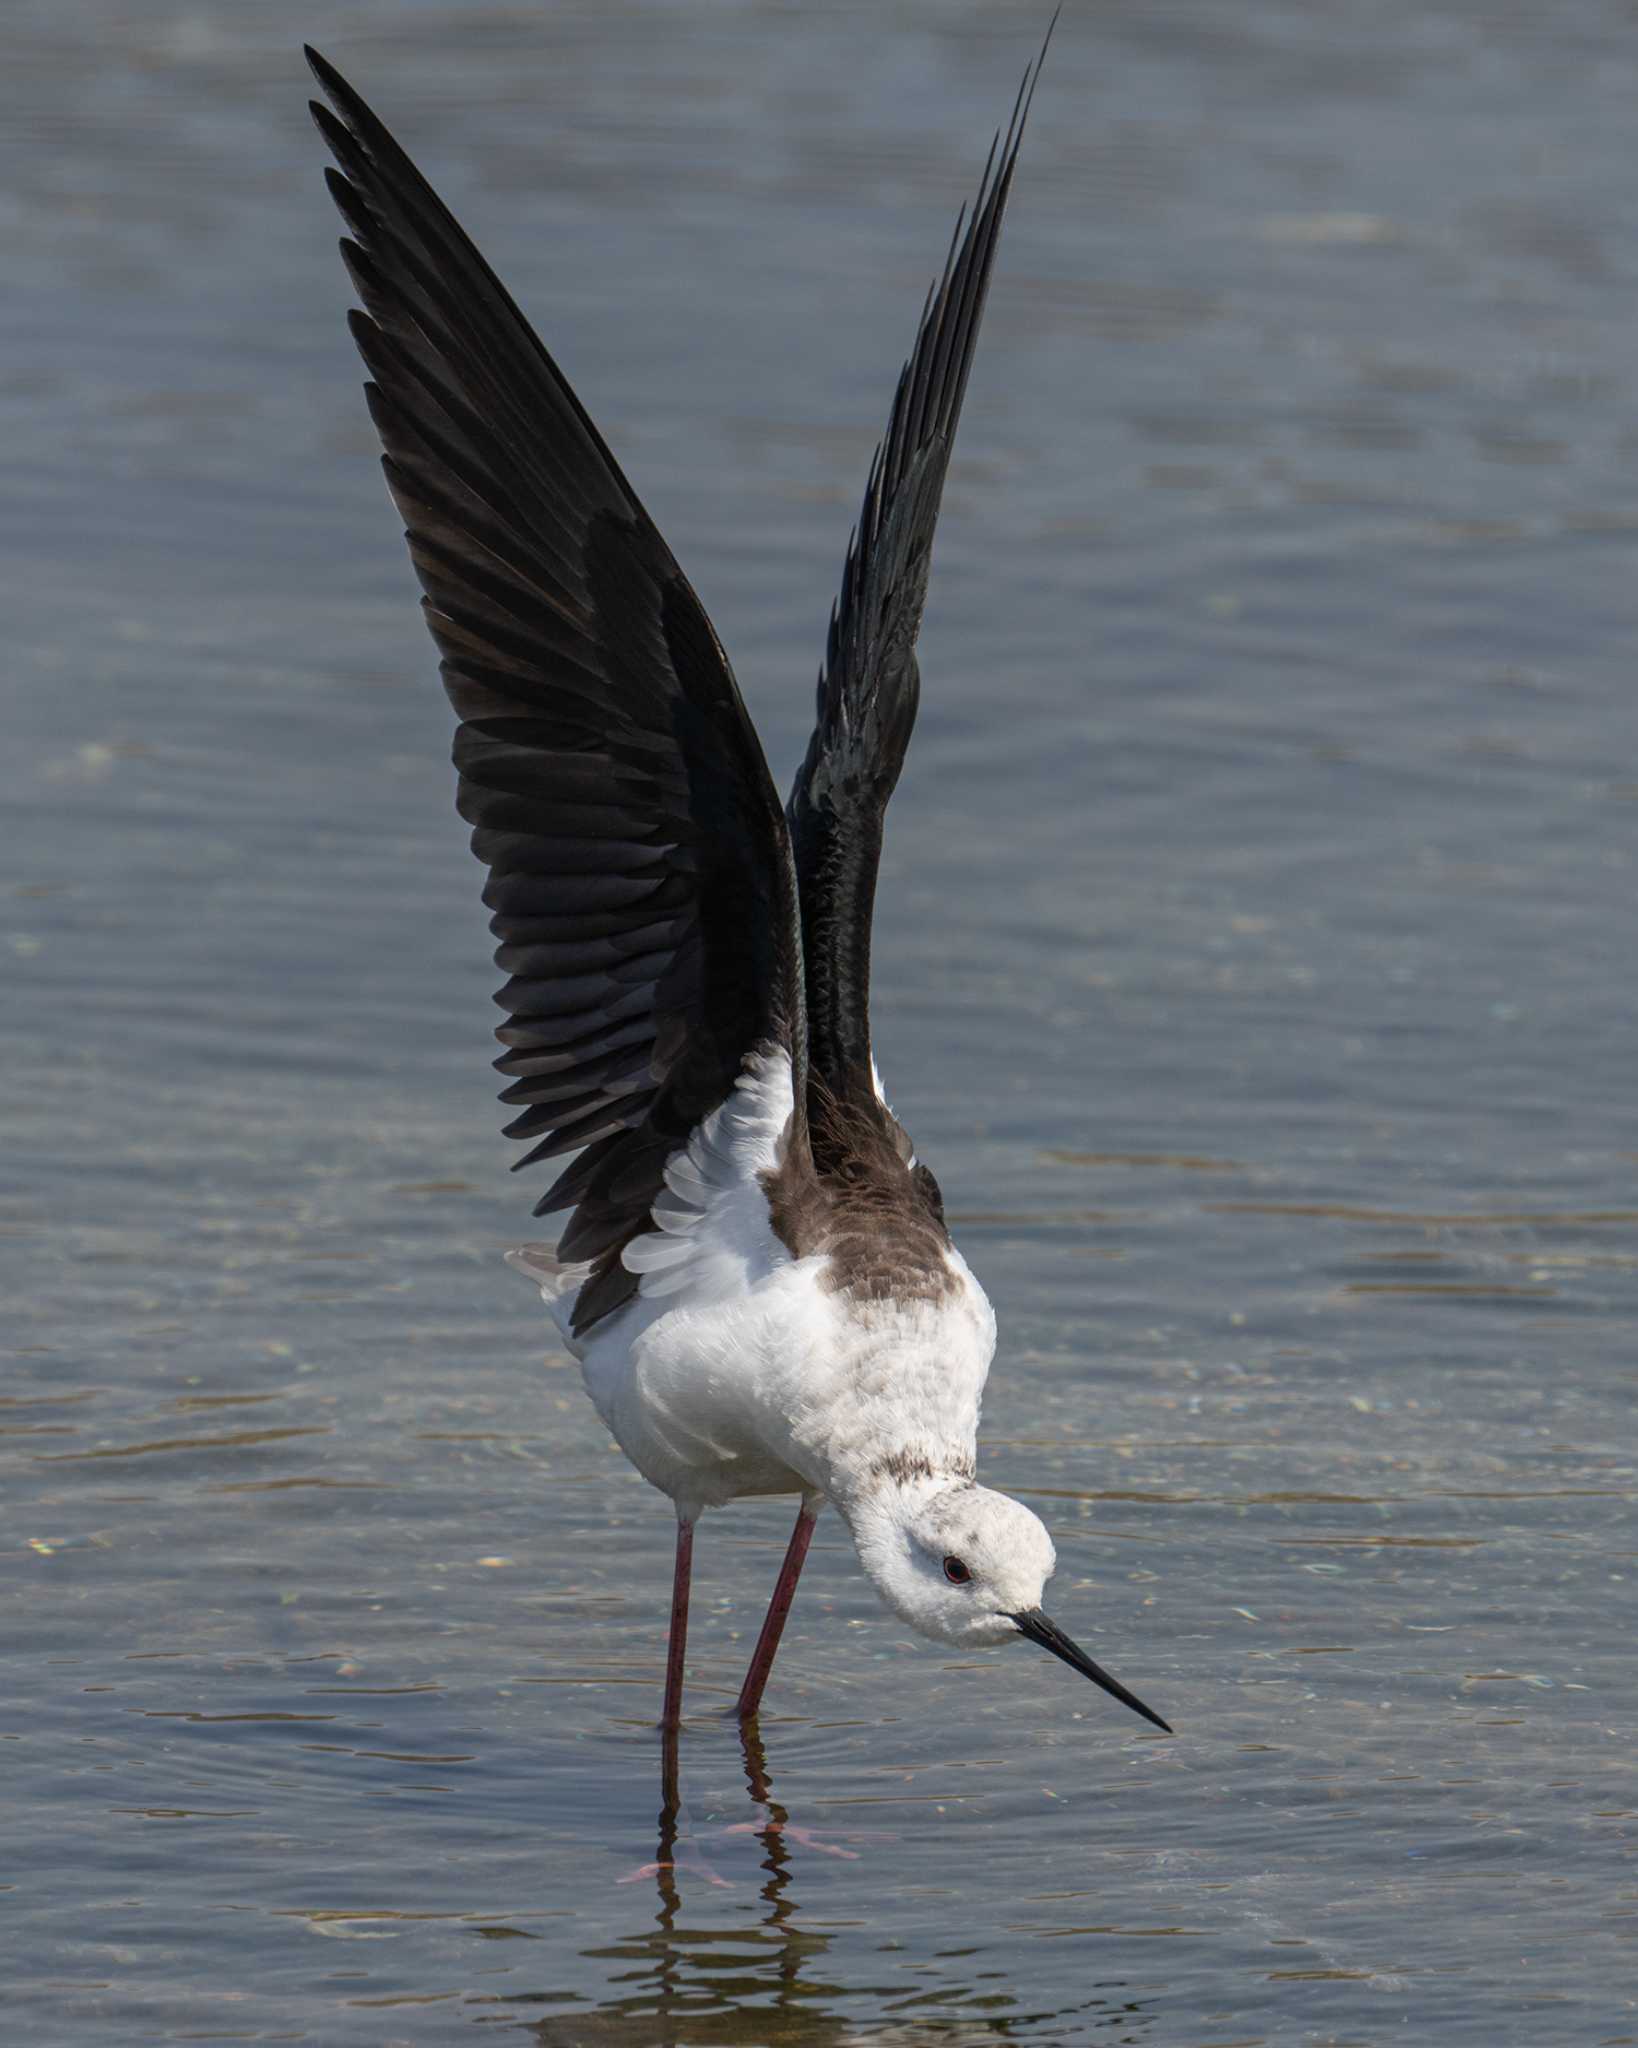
pixel 756 1276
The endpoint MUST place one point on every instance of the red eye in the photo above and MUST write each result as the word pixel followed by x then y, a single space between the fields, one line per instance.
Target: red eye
pixel 956 1572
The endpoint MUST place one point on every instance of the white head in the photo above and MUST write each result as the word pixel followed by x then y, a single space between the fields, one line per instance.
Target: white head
pixel 965 1565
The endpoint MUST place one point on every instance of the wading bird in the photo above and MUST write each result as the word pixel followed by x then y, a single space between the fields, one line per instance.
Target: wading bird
pixel 756 1274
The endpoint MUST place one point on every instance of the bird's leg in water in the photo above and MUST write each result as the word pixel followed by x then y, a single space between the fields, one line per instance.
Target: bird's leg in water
pixel 756 1679
pixel 774 1829
pixel 671 1712
pixel 674 1853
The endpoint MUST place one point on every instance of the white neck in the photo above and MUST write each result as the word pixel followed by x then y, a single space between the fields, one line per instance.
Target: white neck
pixel 892 1400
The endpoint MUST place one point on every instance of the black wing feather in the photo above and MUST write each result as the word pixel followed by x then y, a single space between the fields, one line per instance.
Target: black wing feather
pixel 869 684
pixel 640 872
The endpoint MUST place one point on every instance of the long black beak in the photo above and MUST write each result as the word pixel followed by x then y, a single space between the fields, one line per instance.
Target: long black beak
pixel 1040 1629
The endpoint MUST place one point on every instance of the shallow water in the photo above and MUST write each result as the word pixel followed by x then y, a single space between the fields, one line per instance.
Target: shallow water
pixel 1255 968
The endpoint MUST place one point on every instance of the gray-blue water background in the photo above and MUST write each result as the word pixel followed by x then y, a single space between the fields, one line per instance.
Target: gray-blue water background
pixel 1255 967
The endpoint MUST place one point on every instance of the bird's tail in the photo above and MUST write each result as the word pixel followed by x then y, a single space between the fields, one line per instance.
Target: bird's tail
pixel 559 1282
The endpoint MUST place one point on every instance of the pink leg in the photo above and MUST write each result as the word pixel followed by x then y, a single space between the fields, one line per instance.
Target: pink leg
pixel 756 1679
pixel 671 1712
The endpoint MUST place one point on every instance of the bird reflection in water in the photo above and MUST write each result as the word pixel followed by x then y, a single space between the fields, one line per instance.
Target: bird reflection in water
pixel 773 1829
pixel 688 1985
pixel 713 1983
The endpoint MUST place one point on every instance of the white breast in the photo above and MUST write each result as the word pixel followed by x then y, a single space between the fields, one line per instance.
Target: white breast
pixel 734 1370
pixel 679 1373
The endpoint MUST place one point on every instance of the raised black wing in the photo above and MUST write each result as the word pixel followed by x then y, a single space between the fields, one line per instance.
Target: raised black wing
pixel 869 684
pixel 640 872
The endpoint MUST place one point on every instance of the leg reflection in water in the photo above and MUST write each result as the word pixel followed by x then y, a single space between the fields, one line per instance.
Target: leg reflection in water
pixel 678 1978
pixel 741 1964
pixel 774 1828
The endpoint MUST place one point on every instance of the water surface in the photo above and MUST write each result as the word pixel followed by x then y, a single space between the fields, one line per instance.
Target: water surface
pixel 1255 969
